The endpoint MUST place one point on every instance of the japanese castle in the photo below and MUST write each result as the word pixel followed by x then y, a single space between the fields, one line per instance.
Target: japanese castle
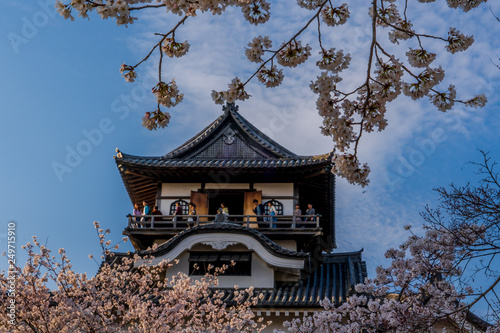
pixel 289 260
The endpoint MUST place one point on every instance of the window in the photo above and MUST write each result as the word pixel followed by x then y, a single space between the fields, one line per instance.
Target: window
pixel 184 205
pixel 242 267
pixel 277 205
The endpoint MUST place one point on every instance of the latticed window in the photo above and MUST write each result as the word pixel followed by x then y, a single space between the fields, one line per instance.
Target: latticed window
pixel 184 205
pixel 277 205
pixel 199 263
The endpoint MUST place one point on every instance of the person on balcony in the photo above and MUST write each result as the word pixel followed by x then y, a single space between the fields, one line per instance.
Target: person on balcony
pixel 258 209
pixel 137 212
pixel 192 211
pixel 272 213
pixel 221 216
pixel 225 210
pixel 156 211
pixel 311 211
pixel 145 211
pixel 178 212
pixel 296 216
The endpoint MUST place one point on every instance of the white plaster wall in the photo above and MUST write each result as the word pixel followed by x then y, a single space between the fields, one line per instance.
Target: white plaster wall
pixel 275 189
pixel 179 189
pixel 227 186
pixel 164 206
pixel 175 190
pixel 262 275
pixel 288 206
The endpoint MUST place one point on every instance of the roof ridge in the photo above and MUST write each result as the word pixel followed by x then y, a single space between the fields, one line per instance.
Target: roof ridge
pixel 258 135
pixel 273 149
pixel 204 132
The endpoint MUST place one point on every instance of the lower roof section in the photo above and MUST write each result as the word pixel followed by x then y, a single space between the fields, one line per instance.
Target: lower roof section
pixel 330 276
pixel 219 236
pixel 333 279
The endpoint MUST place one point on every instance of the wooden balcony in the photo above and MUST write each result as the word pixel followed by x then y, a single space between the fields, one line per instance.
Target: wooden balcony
pixel 169 225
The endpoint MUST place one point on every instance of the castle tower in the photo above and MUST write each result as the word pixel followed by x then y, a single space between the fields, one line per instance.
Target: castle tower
pixel 231 162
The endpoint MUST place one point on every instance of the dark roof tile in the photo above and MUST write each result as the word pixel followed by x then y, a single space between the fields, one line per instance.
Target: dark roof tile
pixel 226 227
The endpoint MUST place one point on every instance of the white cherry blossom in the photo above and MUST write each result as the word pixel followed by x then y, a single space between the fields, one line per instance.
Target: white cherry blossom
pixel 335 16
pixel 347 113
pixel 293 54
pixel 271 77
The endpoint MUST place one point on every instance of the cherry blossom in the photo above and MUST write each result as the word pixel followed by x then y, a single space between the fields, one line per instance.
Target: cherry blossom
pixel 333 61
pixel 335 16
pixel 431 277
pixel 256 48
pixel 173 49
pixel 167 94
pixel 293 54
pixel 347 113
pixel 122 297
pixel 270 77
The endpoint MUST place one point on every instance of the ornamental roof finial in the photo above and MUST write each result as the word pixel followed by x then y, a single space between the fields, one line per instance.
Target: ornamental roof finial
pixel 230 107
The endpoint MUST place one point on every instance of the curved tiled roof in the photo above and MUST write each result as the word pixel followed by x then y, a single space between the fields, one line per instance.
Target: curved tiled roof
pixel 217 227
pixel 264 152
pixel 220 163
pixel 333 280
pixel 231 114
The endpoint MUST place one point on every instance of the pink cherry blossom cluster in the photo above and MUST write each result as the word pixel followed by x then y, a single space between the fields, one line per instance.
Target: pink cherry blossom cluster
pixel 235 92
pixel 173 49
pixel 420 57
pixel 257 12
pixel 347 112
pixel 271 77
pixel 124 296
pixel 335 16
pixel 293 53
pixel 130 74
pixel 457 41
pixel 348 165
pixel 310 4
pixel 412 295
pixel 156 119
pixel 434 279
pixel 257 47
pixel 332 61
pixel 167 94
pixel 426 80
pixel 444 101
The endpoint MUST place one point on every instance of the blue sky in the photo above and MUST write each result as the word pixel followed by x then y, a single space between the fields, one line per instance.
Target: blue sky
pixel 61 79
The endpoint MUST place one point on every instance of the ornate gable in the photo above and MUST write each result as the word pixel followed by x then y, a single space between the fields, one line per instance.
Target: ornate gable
pixel 228 145
pixel 230 137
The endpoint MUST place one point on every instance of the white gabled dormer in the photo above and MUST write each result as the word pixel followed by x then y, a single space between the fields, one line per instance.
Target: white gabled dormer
pixel 260 262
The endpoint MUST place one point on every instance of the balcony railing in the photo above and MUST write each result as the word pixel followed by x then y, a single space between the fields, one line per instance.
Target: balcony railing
pixel 290 222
